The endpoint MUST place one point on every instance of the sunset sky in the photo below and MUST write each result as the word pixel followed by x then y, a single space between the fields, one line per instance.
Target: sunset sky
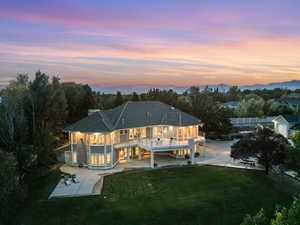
pixel 152 42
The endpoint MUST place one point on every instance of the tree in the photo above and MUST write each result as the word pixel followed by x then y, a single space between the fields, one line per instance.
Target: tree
pixel 259 219
pixel 80 98
pixel 253 107
pixel 11 191
pixel 14 130
pixel 56 113
pixel 215 119
pixel 264 145
pixel 233 93
pixel 292 160
pixel 119 99
pixel 135 97
pixel 282 216
pixel 296 138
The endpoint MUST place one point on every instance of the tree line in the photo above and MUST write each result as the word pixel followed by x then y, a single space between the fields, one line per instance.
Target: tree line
pixel 33 114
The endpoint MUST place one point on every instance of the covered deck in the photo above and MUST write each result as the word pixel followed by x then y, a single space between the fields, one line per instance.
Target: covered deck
pixel 156 145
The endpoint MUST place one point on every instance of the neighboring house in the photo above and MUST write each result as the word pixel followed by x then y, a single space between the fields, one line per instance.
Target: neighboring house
pixel 286 124
pixel 231 104
pixel 294 103
pixel 250 123
pixel 133 130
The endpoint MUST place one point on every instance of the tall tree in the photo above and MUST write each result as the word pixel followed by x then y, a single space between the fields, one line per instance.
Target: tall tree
pixel 56 112
pixel 119 99
pixel 80 98
pixel 233 93
pixel 135 97
pixel 14 130
pixel 216 120
pixel 39 90
pixel 264 145
pixel 11 191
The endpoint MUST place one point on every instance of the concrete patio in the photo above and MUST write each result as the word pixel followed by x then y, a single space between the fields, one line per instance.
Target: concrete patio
pixel 89 184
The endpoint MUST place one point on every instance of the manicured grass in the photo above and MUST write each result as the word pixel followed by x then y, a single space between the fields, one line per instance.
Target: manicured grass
pixel 184 195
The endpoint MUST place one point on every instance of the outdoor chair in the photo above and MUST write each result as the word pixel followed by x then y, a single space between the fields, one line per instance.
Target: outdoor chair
pixel 67 181
pixel 74 179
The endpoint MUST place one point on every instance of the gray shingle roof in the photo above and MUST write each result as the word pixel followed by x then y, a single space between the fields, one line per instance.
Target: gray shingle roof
pixel 296 127
pixel 291 101
pixel 230 104
pixel 292 118
pixel 134 114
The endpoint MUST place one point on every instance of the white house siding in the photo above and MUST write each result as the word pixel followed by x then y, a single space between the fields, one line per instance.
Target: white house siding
pixel 283 129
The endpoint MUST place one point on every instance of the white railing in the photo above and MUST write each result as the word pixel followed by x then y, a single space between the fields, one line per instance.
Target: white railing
pixel 155 143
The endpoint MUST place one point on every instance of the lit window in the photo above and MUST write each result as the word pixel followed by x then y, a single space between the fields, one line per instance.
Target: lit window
pixel 108 158
pixel 101 139
pixel 74 157
pixel 108 140
pixel 100 159
pixel 93 139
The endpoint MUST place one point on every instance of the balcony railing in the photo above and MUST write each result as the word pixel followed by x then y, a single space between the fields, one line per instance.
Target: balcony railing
pixel 159 143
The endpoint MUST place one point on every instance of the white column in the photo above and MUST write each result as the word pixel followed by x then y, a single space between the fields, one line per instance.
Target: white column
pixel 71 141
pixel 152 160
pixel 89 149
pixel 111 151
pixel 140 154
pixel 128 153
pixel 204 147
pixel 192 148
pixel 105 161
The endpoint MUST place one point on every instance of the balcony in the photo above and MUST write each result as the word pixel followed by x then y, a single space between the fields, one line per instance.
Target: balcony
pixel 160 144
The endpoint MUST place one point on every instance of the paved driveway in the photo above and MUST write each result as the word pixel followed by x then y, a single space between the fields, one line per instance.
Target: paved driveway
pixel 218 153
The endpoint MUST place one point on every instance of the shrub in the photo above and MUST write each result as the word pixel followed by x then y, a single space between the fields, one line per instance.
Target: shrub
pixel 187 156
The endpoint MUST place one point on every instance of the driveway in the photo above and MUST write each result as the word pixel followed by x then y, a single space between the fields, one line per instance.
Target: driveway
pixel 218 154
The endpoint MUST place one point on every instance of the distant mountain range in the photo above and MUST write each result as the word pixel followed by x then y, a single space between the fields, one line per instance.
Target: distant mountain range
pixel 293 84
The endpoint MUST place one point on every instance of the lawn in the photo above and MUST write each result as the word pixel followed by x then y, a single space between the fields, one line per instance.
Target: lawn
pixel 184 195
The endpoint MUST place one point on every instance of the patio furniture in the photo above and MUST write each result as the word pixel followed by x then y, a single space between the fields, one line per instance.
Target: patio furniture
pixel 74 179
pixel 248 162
pixel 67 181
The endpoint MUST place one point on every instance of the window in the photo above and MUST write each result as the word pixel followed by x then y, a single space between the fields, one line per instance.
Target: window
pixel 97 159
pixel 157 131
pixel 100 159
pixel 74 157
pixel 108 139
pixel 108 157
pixel 143 132
pixel 101 139
pixel 73 138
pixel 93 139
pixel 123 132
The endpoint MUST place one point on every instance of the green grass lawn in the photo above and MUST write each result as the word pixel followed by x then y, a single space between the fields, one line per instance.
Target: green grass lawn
pixel 184 195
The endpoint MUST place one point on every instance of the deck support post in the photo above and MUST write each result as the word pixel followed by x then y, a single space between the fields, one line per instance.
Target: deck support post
pixel 152 160
pixel 204 147
pixel 128 153
pixel 192 148
pixel 140 154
